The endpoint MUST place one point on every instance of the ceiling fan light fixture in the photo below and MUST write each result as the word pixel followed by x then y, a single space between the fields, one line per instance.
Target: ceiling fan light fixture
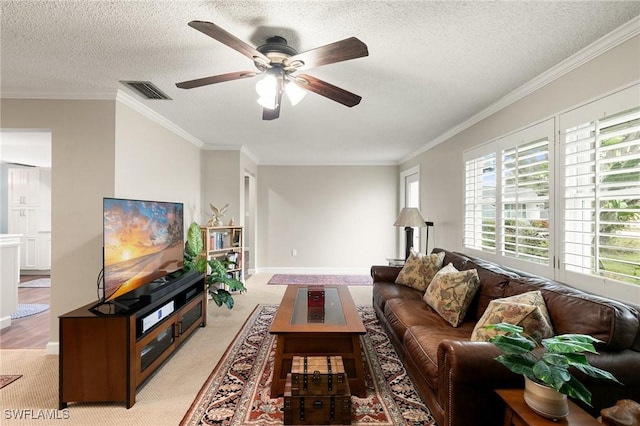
pixel 294 93
pixel 267 102
pixel 266 89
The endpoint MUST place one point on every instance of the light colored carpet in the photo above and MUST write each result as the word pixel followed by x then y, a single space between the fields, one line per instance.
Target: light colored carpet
pixel 167 396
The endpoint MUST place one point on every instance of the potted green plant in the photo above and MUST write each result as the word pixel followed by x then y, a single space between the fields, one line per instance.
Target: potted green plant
pixel 548 364
pixel 216 277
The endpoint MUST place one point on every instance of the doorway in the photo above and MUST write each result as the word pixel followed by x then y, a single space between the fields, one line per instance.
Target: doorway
pixel 250 221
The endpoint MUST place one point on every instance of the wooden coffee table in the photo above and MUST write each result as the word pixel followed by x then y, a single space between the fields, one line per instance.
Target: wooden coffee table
pixel 301 331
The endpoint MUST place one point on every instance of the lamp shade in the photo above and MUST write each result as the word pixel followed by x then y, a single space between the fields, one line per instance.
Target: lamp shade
pixel 411 217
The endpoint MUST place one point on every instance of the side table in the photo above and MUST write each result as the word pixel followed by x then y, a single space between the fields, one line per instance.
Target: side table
pixel 395 262
pixel 517 413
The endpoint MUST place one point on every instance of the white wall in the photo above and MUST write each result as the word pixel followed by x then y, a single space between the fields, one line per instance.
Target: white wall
pixel 153 163
pixel 337 218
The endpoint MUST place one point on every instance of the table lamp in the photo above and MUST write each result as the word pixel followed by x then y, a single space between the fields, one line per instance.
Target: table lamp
pixel 410 218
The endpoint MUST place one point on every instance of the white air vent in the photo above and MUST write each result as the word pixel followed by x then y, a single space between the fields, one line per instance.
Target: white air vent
pixel 146 89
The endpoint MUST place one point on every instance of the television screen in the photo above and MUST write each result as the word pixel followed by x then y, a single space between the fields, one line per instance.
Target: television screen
pixel 143 241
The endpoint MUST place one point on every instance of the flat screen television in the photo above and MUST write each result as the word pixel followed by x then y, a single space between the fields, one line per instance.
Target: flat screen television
pixel 143 242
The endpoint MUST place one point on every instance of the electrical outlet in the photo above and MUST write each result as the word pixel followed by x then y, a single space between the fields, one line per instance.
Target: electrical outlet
pixel 294 252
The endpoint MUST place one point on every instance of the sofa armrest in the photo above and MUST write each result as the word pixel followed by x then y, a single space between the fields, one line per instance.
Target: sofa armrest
pixel 467 376
pixel 388 274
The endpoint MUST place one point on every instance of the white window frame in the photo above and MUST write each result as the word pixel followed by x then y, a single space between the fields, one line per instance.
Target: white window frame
pixel 476 229
pixel 544 129
pixel 412 174
pixel 616 102
pixel 604 106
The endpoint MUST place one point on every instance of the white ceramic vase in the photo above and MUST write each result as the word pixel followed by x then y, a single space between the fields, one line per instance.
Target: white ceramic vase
pixel 545 401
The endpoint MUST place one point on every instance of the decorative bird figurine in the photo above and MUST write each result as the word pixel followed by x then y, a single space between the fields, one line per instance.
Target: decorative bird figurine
pixel 218 214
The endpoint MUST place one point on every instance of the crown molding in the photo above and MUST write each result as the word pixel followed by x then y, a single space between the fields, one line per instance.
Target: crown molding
pixel 144 110
pixel 595 49
pixel 330 163
pixel 108 95
pixel 250 155
pixel 92 95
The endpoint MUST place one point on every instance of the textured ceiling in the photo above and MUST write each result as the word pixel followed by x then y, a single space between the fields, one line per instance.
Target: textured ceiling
pixel 431 65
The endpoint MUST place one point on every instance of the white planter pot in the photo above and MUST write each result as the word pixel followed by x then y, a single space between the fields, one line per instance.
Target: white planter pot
pixel 545 401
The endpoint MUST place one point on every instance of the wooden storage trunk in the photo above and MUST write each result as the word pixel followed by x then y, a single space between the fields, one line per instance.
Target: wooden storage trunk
pixel 316 409
pixel 318 375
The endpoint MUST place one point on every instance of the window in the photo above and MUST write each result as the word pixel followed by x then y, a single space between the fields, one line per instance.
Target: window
pixel 602 194
pixel 593 238
pixel 524 226
pixel 508 197
pixel 480 203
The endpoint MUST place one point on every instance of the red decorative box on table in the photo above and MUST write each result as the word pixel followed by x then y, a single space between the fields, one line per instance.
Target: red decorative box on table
pixel 315 297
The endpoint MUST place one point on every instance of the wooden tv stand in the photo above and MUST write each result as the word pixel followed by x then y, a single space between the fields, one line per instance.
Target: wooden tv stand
pixel 104 357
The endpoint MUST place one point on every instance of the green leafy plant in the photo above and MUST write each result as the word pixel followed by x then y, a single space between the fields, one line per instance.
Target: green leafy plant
pixel 217 276
pixel 548 362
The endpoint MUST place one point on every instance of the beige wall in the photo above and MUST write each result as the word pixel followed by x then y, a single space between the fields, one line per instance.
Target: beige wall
pixel 441 167
pixel 82 144
pixel 222 184
pixel 101 149
pixel 153 163
pixel 338 218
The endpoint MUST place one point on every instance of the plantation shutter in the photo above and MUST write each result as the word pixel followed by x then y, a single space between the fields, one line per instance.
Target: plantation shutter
pixel 526 194
pixel 600 143
pixel 480 199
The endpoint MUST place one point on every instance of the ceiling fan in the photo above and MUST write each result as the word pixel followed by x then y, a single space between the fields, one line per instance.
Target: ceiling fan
pixel 279 62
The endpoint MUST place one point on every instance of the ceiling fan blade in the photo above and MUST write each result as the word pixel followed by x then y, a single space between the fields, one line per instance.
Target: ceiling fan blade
pixel 230 40
pixel 327 90
pixel 349 48
pixel 215 79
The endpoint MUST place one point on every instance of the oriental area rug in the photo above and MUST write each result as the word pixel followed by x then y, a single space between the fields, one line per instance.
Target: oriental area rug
pixel 237 392
pixel 312 279
pixel 6 380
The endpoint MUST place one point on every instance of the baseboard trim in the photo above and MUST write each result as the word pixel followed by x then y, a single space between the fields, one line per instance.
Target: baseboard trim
pixel 53 348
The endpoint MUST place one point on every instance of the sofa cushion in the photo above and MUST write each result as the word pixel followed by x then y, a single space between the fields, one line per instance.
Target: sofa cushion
pixel 575 311
pixel 419 269
pixel 382 292
pixel 458 259
pixel 493 282
pixel 404 313
pixel 421 345
pixel 451 292
pixel 527 310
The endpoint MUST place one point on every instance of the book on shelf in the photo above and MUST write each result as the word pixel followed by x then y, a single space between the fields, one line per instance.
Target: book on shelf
pixel 216 240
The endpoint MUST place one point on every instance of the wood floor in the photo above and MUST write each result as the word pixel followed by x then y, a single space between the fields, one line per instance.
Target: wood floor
pixel 29 332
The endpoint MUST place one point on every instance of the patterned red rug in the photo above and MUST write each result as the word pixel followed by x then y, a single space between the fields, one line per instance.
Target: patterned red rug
pixel 237 391
pixel 312 279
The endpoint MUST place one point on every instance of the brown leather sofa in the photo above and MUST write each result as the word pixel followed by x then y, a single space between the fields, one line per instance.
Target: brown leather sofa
pixel 456 377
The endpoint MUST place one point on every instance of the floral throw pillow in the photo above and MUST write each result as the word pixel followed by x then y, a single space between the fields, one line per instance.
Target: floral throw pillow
pixel 419 269
pixel 451 292
pixel 527 310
